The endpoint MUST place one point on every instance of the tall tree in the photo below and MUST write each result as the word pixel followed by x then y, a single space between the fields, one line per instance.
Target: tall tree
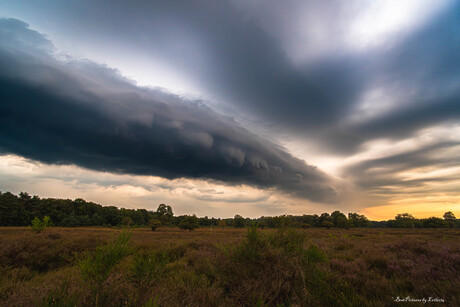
pixel 165 214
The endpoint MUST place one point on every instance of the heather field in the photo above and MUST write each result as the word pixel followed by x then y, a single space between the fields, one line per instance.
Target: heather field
pixel 227 266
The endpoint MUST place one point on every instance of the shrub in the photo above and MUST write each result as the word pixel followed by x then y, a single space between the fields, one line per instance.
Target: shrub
pixel 154 224
pixel 96 267
pixel 40 225
pixel 146 267
pixel 314 255
pixel 289 240
pixel 268 269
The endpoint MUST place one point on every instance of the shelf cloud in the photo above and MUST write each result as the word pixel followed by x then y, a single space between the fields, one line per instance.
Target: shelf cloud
pixel 79 112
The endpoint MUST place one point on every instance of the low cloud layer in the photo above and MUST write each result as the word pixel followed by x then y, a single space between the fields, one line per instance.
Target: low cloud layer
pixel 78 112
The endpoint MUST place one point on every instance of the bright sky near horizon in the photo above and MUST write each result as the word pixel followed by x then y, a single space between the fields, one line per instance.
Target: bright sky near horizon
pixel 234 107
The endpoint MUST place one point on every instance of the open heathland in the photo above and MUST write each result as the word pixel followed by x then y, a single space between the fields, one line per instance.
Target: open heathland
pixel 228 267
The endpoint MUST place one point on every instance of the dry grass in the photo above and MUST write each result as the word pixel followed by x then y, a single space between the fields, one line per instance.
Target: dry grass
pixel 320 267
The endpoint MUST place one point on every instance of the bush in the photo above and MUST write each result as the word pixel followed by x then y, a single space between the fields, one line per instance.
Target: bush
pixel 96 267
pixel 40 225
pixel 146 268
pixel 154 224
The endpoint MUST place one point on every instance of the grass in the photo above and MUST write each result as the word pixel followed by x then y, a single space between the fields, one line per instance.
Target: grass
pixel 227 266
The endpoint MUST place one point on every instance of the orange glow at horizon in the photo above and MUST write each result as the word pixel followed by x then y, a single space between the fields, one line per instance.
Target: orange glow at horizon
pixel 432 206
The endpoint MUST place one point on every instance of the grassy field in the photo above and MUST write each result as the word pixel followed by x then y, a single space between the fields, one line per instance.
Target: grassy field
pixel 231 267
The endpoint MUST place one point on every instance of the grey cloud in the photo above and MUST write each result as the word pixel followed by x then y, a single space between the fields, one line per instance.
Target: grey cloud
pixel 226 51
pixel 229 198
pixel 86 114
pixel 383 176
pixel 223 52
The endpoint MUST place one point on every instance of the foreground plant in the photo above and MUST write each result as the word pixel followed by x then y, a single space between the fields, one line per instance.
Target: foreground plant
pixel 96 267
pixel 146 268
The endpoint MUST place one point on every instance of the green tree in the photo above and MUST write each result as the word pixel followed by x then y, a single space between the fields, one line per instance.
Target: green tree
pixel 70 221
pixel 404 220
pixel 239 221
pixel 323 218
pixel 450 218
pixel 339 219
pixel 189 223
pixel 165 214
pixel 358 220
pixel 449 215
pixel 283 221
pixel 12 212
pixel 24 196
pixel 434 222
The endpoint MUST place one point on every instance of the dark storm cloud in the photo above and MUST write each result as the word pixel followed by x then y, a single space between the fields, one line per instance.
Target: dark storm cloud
pixel 227 52
pixel 78 112
pixel 223 52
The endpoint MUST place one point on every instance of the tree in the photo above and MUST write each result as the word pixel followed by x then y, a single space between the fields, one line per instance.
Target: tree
pixel 404 220
pixel 339 219
pixel 154 224
pixel 434 222
pixel 24 196
pixel 342 222
pixel 239 221
pixel 165 214
pixel 12 211
pixel 404 216
pixel 450 218
pixel 327 224
pixel 127 221
pixel 323 218
pixel 449 215
pixel 70 221
pixel 189 223
pixel 358 220
pixel 283 221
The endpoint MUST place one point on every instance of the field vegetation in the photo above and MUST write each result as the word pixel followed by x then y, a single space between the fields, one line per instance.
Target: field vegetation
pixel 223 266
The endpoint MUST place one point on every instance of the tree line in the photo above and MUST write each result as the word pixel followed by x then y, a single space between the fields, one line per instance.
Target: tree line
pixel 21 209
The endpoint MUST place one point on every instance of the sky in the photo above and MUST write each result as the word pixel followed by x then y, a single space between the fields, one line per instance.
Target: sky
pixel 234 107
